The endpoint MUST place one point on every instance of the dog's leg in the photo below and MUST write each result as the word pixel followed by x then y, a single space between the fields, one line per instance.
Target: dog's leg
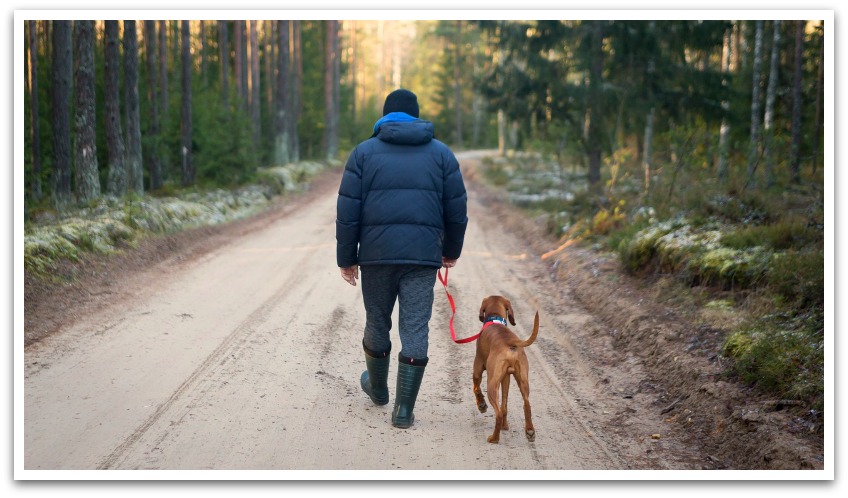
pixel 492 392
pixel 477 378
pixel 524 387
pixel 504 396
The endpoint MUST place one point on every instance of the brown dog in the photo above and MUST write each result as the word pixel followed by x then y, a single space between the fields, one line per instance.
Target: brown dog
pixel 501 353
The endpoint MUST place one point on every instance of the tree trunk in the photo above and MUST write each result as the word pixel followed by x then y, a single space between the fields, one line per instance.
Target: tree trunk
pixel 753 147
pixel 457 86
pixel 501 132
pixel 297 67
pixel 203 61
pixel 61 112
pixel 819 90
pixel 596 74
pixel 154 162
pixel 724 133
pixel 117 180
pixel 86 175
pixel 223 42
pixel 797 90
pixel 771 95
pixel 282 116
pixel 135 173
pixel 270 64
pixel 36 192
pixel 163 89
pixel 255 99
pixel 649 119
pixel 353 68
pixel 331 90
pixel 185 122
pixel 238 27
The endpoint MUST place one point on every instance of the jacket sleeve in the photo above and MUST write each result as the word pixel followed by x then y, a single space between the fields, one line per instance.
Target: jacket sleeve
pixel 454 203
pixel 348 212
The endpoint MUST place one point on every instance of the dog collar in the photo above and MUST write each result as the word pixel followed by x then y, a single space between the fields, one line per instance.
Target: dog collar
pixel 491 320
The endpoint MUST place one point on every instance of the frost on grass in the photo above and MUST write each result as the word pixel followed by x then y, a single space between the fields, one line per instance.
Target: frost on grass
pixel 106 222
pixel 675 246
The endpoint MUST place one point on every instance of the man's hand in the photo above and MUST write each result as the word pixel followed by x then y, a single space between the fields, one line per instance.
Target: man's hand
pixel 350 274
pixel 448 263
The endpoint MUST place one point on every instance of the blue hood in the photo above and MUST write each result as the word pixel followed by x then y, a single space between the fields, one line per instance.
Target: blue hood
pixel 402 129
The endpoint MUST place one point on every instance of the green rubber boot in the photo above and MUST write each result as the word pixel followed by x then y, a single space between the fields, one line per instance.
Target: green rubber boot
pixel 374 381
pixel 410 373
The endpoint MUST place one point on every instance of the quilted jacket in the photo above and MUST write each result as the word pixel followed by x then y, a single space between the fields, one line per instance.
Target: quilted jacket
pixel 402 199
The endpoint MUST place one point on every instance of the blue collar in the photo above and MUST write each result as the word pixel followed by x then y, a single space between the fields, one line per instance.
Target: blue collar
pixel 496 319
pixel 392 117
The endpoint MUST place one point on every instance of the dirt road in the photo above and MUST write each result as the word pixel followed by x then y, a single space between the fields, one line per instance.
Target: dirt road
pixel 249 358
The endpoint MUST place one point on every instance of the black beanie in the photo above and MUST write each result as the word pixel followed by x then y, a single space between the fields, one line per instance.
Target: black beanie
pixel 401 101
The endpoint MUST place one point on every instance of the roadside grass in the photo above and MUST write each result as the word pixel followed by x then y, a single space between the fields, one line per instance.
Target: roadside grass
pixel 108 224
pixel 757 250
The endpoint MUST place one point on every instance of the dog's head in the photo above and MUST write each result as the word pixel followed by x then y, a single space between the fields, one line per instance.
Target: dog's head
pixel 496 305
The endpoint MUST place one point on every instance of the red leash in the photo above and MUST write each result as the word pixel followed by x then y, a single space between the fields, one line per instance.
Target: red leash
pixel 444 282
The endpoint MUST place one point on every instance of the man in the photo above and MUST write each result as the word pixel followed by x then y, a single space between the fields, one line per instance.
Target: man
pixel 400 216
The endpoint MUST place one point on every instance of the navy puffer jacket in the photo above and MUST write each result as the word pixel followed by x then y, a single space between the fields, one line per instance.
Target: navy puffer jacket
pixel 402 200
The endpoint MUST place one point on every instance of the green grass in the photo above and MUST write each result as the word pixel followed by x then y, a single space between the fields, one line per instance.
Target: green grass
pixel 761 250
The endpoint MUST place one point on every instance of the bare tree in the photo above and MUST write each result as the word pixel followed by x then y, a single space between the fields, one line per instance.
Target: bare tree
pixel 255 100
pixel 117 180
pixel 135 172
pixel 754 144
pixel 34 128
pixel 282 115
pixel 224 46
pixel 154 162
pixel 297 67
pixel 593 139
pixel 819 90
pixel 61 112
pixel 185 121
pixel 203 61
pixel 331 89
pixel 457 84
pixel 724 132
pixel 771 95
pixel 241 63
pixel 86 177
pixel 163 88
pixel 797 90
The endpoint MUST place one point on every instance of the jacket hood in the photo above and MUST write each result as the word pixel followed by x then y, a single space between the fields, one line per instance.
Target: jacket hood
pixel 416 132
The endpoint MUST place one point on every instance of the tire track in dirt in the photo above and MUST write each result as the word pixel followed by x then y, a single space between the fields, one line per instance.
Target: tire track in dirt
pixel 218 358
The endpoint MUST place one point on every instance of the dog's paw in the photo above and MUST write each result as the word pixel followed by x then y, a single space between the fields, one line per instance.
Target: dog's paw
pixel 531 434
pixel 493 439
pixel 482 407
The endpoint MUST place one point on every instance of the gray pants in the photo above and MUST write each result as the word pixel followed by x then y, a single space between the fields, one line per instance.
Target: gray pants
pixel 412 287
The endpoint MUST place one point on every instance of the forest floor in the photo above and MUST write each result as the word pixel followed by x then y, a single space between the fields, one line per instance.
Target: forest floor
pixel 649 367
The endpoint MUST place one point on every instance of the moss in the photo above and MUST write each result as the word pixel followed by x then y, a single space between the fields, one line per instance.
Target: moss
pixel 102 224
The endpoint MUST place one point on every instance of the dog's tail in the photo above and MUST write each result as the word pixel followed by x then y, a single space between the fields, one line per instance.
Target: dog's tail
pixel 532 338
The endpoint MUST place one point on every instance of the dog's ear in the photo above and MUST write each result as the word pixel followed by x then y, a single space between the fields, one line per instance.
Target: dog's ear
pixel 483 310
pixel 509 312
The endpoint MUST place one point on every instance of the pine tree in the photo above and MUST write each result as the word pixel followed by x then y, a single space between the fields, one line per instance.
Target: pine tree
pixel 35 187
pixel 135 171
pixel 754 144
pixel 117 180
pixel 61 112
pixel 86 176
pixel 186 125
pixel 771 95
pixel 154 161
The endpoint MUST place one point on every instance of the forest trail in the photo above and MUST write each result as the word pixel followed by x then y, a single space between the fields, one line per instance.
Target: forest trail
pixel 249 356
